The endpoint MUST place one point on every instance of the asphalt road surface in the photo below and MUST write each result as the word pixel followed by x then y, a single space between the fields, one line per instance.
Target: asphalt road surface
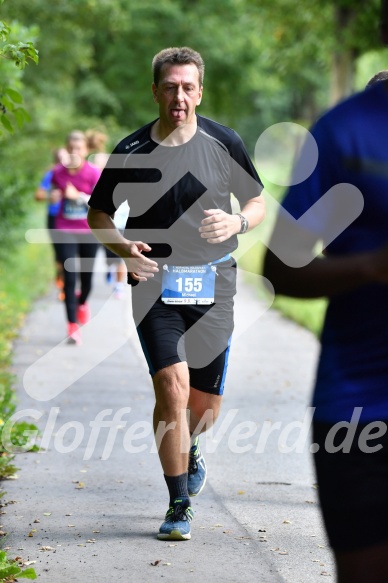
pixel 89 505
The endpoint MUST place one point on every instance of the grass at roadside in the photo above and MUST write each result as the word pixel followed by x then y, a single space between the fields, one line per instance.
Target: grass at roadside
pixel 24 277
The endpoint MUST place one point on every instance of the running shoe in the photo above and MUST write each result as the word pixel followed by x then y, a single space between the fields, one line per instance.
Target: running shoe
pixel 197 470
pixel 73 334
pixel 176 525
pixel 83 313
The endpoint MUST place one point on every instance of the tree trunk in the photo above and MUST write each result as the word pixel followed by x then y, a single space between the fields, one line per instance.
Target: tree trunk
pixel 343 60
pixel 342 76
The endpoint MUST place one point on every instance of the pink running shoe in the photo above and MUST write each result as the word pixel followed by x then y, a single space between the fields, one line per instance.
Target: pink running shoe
pixel 83 313
pixel 73 334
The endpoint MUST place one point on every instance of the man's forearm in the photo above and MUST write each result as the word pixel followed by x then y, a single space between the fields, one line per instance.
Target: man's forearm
pixel 254 212
pixel 104 229
pixel 326 276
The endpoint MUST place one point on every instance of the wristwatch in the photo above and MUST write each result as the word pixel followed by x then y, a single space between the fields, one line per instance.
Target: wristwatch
pixel 244 224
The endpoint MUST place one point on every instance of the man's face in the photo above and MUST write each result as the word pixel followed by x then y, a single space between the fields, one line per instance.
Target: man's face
pixel 178 93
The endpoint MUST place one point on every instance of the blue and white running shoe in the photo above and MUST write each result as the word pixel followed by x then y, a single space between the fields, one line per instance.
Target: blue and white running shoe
pixel 197 470
pixel 176 525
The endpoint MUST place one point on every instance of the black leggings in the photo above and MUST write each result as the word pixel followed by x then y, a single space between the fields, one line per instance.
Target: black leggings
pixel 84 246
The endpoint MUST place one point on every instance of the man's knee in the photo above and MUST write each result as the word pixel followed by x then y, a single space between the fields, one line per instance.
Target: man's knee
pixel 171 385
pixel 204 409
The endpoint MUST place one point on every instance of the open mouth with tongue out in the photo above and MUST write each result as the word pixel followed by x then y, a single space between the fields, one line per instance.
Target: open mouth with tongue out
pixel 177 113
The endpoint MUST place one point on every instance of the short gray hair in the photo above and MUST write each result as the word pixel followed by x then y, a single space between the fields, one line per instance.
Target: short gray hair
pixel 177 56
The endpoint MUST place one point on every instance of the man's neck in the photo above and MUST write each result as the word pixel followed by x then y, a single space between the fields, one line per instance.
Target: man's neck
pixel 173 137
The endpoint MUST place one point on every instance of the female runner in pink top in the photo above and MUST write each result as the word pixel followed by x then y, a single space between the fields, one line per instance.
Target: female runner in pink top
pixel 75 183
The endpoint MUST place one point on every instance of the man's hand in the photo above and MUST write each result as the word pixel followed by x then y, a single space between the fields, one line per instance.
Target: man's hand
pixel 219 226
pixel 377 264
pixel 140 267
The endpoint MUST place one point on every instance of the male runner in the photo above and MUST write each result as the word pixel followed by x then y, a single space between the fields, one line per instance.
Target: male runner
pixel 184 277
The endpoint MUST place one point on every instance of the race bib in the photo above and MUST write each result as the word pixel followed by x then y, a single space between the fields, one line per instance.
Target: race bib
pixel 74 210
pixel 182 284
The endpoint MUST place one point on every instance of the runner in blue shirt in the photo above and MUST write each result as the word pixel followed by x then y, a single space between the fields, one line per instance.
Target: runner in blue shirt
pixel 45 192
pixel 351 388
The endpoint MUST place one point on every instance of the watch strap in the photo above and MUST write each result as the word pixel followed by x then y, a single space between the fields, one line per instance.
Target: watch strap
pixel 244 224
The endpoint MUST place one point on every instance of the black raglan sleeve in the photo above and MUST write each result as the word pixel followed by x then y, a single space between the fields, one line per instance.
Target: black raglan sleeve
pixel 245 182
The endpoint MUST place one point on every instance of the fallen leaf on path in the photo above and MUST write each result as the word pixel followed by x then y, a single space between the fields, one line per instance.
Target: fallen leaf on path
pixel 156 563
pixel 36 521
pixel 47 513
pixel 47 548
pixel 287 522
pixel 241 492
pixel 80 485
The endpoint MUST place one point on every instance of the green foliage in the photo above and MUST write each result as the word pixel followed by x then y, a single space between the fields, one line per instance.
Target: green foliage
pixel 19 53
pixel 9 99
pixel 4 31
pixel 10 570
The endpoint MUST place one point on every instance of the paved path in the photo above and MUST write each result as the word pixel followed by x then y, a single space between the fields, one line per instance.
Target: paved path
pixel 95 498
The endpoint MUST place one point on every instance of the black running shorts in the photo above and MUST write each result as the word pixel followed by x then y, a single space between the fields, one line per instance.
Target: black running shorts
pixel 353 488
pixel 197 334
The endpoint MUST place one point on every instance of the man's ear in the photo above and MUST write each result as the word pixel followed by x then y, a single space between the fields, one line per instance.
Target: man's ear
pixel 155 92
pixel 200 96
